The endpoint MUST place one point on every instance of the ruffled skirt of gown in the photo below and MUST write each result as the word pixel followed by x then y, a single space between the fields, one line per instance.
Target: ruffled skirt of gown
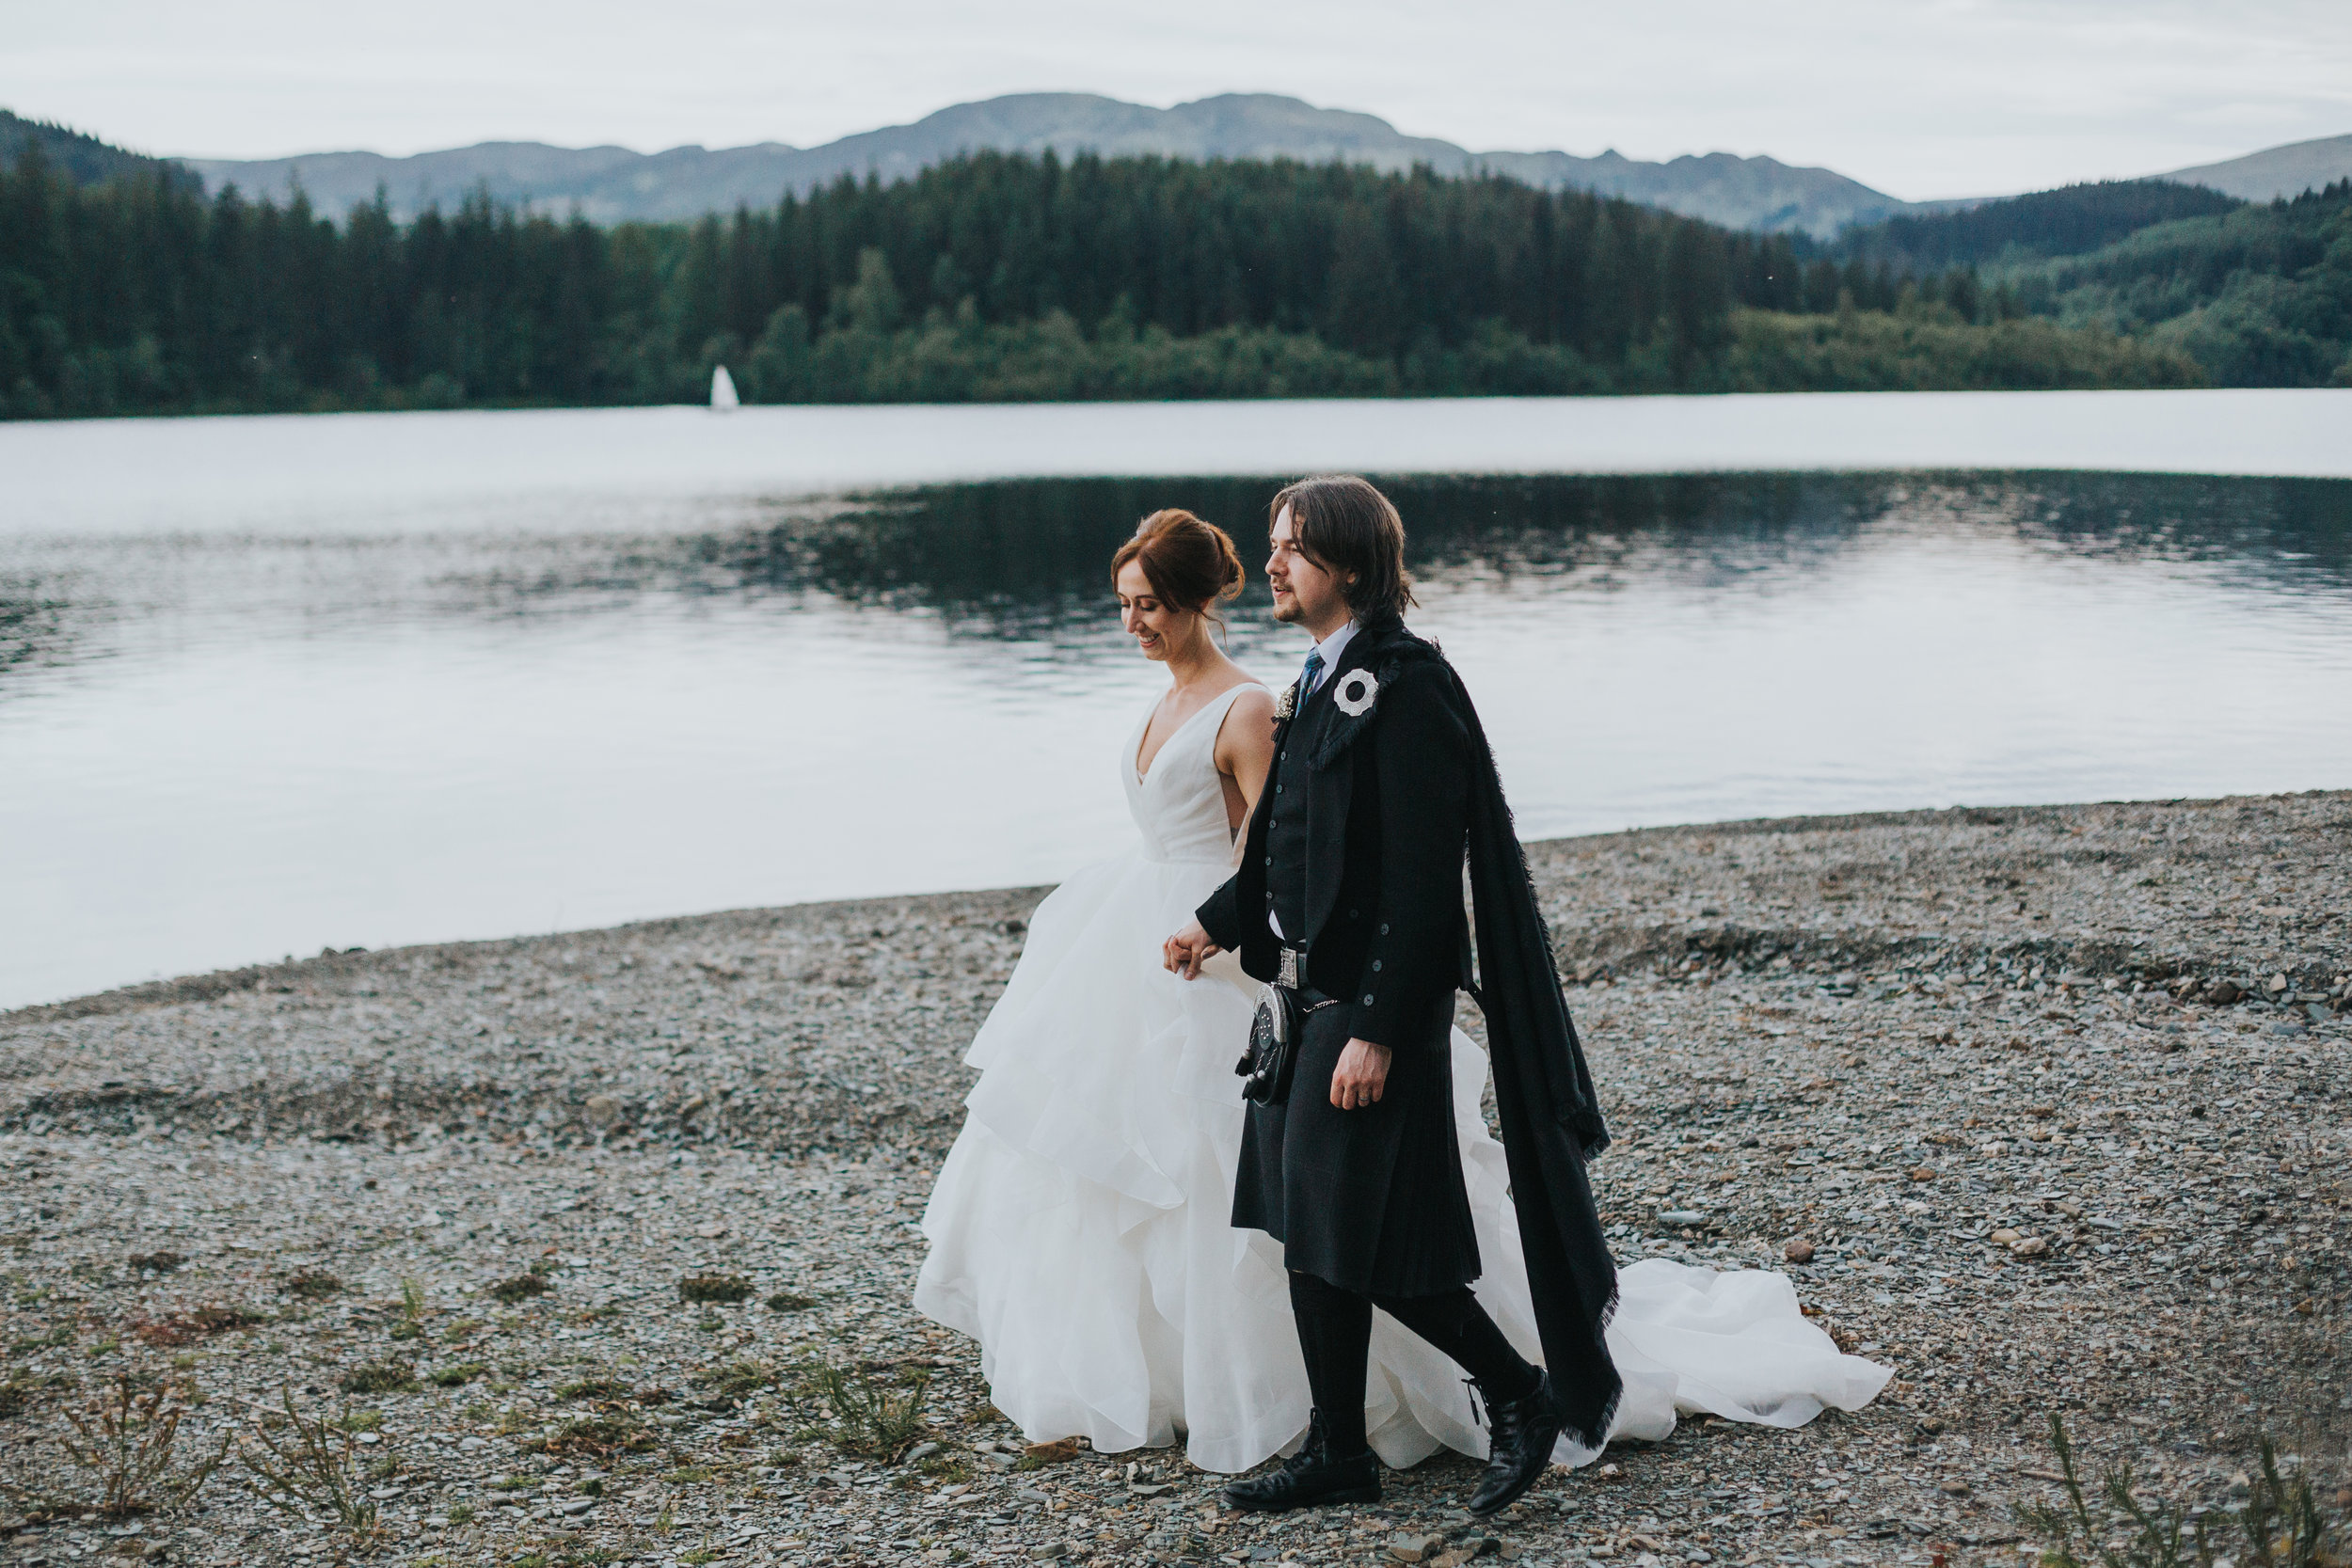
pixel 1079 1228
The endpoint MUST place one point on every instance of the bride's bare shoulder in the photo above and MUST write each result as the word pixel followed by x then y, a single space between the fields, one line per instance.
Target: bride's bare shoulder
pixel 1249 721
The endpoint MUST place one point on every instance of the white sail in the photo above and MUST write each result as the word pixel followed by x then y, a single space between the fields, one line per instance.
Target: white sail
pixel 722 390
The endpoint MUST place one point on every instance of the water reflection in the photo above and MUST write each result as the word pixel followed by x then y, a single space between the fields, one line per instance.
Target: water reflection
pixel 1023 559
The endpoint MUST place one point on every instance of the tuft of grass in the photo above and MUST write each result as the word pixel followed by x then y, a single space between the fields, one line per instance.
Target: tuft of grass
pixel 313 1285
pixel 597 1437
pixel 789 1301
pixel 461 1513
pixel 186 1328
pixel 359 1420
pixel 522 1286
pixel 307 1464
pixel 456 1376
pixel 2280 1522
pixel 726 1288
pixel 156 1263
pixel 594 1389
pixel 688 1475
pixel 380 1377
pixel 863 1418
pixel 129 1441
pixel 738 1379
pixel 16 1394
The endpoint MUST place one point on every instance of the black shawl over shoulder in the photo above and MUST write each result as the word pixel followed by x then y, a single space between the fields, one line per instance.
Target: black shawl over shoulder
pixel 1552 1120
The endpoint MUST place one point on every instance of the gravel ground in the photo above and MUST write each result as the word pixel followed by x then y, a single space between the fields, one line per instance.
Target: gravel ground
pixel 2053 1103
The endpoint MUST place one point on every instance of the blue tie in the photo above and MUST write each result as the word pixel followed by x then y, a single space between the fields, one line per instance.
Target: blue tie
pixel 1310 676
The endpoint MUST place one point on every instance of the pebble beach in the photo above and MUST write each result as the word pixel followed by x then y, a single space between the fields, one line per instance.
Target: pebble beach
pixel 596 1247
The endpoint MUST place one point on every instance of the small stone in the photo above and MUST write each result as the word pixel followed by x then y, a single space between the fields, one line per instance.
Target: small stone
pixel 1681 1216
pixel 1796 1251
pixel 578 1506
pixel 2223 992
pixel 2029 1246
pixel 1057 1452
pixel 1049 1551
pixel 1955 1486
pixel 1922 1173
pixel 921 1450
pixel 2007 1237
pixel 1415 1547
pixel 693 1107
pixel 602 1110
pixel 711 1230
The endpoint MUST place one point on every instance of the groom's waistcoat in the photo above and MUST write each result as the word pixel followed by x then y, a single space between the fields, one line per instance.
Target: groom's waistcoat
pixel 1287 797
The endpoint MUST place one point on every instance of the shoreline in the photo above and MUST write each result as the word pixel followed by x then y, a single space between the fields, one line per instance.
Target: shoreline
pixel 2055 1094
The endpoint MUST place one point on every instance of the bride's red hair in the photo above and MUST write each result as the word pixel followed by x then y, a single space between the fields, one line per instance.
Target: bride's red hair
pixel 1189 564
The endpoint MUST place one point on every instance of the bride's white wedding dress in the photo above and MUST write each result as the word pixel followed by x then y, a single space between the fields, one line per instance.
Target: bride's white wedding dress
pixel 1078 1229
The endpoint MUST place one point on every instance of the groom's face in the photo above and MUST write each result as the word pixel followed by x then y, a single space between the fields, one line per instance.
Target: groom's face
pixel 1305 591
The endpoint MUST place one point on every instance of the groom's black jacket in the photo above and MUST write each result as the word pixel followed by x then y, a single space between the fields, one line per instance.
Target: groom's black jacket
pixel 1398 796
pixel 1386 809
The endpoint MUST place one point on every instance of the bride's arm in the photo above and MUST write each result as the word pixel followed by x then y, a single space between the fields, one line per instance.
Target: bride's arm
pixel 1244 755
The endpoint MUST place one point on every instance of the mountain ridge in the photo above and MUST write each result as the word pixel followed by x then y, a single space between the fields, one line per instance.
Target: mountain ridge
pixel 609 184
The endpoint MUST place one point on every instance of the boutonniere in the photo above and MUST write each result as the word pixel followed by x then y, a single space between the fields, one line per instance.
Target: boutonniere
pixel 1287 704
pixel 1355 693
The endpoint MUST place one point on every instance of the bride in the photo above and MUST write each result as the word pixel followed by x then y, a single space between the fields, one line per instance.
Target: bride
pixel 1079 1228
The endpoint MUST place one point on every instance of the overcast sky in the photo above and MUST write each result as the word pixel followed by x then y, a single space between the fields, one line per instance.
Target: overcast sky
pixel 1920 98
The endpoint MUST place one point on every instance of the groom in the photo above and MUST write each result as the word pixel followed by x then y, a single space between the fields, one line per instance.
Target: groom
pixel 1350 891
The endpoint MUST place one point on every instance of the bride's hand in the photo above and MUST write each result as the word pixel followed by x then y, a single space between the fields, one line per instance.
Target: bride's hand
pixel 1187 950
pixel 1360 1076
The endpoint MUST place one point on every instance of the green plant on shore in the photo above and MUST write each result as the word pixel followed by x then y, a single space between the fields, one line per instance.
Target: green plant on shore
pixel 411 1324
pixel 2280 1522
pixel 860 1416
pixel 380 1377
pixel 128 1440
pixel 308 1464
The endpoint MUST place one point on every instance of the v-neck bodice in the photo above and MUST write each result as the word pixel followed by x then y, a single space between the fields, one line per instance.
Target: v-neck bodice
pixel 1178 801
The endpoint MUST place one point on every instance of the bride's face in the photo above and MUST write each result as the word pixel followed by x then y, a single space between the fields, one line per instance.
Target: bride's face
pixel 1158 627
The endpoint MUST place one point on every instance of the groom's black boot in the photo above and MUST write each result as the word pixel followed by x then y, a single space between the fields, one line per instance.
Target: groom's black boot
pixel 1309 1478
pixel 1519 1436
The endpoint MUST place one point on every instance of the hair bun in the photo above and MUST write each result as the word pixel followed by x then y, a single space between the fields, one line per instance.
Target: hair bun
pixel 1190 564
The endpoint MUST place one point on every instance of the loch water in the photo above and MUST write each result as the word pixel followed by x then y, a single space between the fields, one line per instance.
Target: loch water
pixel 352 714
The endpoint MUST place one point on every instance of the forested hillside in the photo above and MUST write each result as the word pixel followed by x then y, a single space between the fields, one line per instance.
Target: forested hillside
pixel 987 277
pixel 85 160
pixel 2063 222
pixel 2259 297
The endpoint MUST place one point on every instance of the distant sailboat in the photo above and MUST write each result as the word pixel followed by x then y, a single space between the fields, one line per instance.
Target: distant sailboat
pixel 722 396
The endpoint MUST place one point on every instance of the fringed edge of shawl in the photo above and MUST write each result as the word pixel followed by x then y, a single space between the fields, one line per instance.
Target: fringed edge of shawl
pixel 1595 1436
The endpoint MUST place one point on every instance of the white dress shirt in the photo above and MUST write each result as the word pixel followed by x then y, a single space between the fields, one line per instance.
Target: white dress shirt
pixel 1331 648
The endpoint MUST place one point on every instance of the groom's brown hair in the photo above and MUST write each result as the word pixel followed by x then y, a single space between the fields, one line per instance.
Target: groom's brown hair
pixel 1345 525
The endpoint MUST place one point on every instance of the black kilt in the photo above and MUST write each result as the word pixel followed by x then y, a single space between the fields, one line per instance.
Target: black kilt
pixel 1369 1199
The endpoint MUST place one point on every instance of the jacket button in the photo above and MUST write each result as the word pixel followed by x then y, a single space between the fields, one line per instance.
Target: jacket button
pixel 1269 860
pixel 1351 914
pixel 1367 999
pixel 1384 928
pixel 1375 966
pixel 1278 789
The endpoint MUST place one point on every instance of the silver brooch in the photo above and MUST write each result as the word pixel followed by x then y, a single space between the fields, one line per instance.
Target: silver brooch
pixel 1355 693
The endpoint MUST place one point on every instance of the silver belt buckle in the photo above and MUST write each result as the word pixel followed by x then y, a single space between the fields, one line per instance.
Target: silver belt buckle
pixel 1287 976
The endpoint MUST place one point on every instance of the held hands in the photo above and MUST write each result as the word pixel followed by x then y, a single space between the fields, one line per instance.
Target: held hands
pixel 1360 1076
pixel 1187 950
